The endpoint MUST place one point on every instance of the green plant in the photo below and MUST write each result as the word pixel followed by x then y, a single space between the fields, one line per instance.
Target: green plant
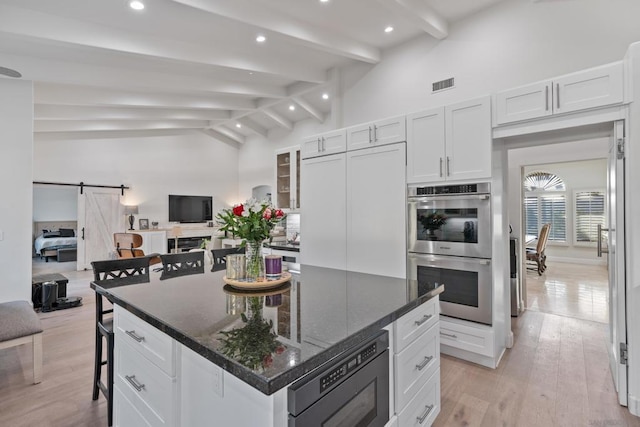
pixel 433 220
pixel 204 243
pixel 252 220
pixel 252 344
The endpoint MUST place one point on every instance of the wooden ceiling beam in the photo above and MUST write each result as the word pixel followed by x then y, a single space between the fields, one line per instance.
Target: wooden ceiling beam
pixel 279 119
pixel 420 14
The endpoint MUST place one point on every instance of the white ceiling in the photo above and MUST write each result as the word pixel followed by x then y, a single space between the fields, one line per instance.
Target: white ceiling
pixel 100 66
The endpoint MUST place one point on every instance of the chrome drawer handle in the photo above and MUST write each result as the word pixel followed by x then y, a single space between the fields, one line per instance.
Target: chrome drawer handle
pixel 426 413
pixel 135 336
pixel 424 319
pixel 455 337
pixel 132 380
pixel 424 363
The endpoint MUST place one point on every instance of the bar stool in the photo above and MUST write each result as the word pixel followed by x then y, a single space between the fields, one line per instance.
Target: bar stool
pixel 109 274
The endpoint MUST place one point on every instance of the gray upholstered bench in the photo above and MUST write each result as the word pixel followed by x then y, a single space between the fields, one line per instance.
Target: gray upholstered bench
pixel 19 324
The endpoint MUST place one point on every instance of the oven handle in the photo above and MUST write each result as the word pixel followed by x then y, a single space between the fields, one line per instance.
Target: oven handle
pixel 443 197
pixel 430 257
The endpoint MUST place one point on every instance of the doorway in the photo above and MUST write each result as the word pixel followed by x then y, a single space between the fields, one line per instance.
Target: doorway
pixel 55 208
pixel 586 287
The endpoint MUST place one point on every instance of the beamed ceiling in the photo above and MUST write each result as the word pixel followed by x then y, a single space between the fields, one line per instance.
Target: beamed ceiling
pixel 101 68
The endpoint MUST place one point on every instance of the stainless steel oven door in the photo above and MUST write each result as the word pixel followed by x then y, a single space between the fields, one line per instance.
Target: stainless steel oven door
pixel 467 284
pixel 450 225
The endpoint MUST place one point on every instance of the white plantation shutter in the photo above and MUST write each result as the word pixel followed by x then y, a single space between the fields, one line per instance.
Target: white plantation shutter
pixel 553 210
pixel 531 215
pixel 590 211
pixel 545 202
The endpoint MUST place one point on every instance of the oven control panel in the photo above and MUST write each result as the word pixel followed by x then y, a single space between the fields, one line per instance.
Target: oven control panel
pixel 445 190
pixel 347 367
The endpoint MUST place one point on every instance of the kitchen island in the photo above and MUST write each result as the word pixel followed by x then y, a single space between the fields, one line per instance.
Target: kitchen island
pixel 170 365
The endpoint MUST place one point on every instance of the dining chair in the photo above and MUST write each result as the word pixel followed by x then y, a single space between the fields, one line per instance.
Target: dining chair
pixel 111 273
pixel 538 255
pixel 220 257
pixel 182 264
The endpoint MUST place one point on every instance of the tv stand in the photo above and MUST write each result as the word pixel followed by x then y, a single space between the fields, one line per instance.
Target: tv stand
pixel 185 244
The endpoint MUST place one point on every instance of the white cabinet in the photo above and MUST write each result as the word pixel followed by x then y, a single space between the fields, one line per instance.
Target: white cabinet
pixel 416 348
pixel 467 336
pixel 387 131
pixel 451 143
pixel 375 211
pixel 154 242
pixel 595 87
pixel 145 380
pixel 324 144
pixel 287 187
pixel 324 203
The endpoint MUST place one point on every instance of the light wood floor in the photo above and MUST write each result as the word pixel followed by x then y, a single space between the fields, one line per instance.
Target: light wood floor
pixel 556 374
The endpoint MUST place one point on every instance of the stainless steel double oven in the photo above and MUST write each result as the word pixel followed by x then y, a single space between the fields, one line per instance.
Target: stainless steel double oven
pixel 450 243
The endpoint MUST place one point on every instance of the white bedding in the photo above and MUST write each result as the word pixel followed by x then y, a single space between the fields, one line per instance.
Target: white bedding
pixel 54 242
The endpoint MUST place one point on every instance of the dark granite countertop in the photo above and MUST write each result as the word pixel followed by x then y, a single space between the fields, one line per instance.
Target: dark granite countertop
pixel 283 246
pixel 319 314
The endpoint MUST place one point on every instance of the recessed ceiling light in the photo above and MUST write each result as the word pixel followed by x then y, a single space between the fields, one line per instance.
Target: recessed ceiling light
pixel 388 29
pixel 136 5
pixel 251 73
pixel 261 39
pixel 325 96
pixel 292 107
pixel 238 125
pixel 324 1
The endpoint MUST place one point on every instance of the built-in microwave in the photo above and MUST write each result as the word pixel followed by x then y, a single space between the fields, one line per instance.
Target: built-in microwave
pixel 467 284
pixel 450 220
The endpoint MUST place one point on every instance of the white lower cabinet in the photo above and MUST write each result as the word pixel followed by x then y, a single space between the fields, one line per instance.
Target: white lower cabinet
pixel 423 409
pixel 125 413
pixel 416 348
pixel 472 337
pixel 154 242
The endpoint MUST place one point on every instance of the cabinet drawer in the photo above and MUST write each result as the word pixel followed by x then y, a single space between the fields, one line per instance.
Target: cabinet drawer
pixel 124 413
pixel 476 339
pixel 415 323
pixel 156 346
pixel 424 407
pixel 416 364
pixel 151 391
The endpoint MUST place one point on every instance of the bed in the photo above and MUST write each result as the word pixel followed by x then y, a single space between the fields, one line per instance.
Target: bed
pixel 50 236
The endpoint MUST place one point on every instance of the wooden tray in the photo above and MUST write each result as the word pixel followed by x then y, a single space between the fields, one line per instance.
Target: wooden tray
pixel 255 286
pixel 280 289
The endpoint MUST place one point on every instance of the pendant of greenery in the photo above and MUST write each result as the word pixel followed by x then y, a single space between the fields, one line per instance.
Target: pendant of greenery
pixel 252 344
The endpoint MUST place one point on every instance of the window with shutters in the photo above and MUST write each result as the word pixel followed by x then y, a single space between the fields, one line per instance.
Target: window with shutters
pixel 545 202
pixel 589 213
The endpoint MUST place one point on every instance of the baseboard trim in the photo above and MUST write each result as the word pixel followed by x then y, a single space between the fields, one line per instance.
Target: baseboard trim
pixel 633 405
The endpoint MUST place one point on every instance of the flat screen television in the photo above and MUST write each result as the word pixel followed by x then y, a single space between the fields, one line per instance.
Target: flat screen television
pixel 190 208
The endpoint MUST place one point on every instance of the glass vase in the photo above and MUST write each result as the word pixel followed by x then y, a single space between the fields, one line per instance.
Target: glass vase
pixel 255 260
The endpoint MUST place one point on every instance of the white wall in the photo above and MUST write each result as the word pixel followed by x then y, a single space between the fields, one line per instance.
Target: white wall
pixel 153 166
pixel 52 203
pixel 16 149
pixel 513 43
pixel 567 161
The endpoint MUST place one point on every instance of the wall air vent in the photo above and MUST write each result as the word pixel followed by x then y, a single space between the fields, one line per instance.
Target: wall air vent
pixel 442 85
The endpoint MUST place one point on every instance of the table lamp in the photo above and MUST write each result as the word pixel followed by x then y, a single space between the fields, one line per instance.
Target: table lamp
pixel 131 210
pixel 177 232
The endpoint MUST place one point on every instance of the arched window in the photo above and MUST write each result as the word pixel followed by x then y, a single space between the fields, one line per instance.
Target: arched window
pixel 545 201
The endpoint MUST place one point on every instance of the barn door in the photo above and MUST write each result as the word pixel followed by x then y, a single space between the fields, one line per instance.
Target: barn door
pixel 100 214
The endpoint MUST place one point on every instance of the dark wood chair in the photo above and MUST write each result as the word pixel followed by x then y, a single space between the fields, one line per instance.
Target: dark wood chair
pixel 220 257
pixel 111 273
pixel 182 264
pixel 536 255
pixel 128 244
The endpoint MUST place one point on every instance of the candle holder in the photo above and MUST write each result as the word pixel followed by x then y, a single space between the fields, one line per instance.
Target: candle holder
pixel 273 267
